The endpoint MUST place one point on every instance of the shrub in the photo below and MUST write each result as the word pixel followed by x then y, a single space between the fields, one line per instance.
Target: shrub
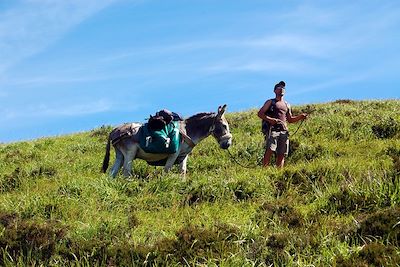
pixel 279 211
pixel 195 242
pixel 373 254
pixel 300 151
pixel 23 237
pixel 346 201
pixel 242 189
pixel 344 101
pixel 384 225
pixel 11 181
pixel 101 132
pixel 386 128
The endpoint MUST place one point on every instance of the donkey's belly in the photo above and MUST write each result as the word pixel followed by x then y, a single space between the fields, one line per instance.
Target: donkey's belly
pixel 141 154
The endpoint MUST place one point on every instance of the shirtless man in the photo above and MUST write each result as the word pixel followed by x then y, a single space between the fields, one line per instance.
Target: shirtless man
pixel 275 113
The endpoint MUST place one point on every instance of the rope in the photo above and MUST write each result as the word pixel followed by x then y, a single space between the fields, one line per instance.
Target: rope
pixel 297 128
pixel 240 164
pixel 301 123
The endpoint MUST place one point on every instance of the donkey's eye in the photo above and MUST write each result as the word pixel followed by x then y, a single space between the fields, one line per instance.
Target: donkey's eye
pixel 218 131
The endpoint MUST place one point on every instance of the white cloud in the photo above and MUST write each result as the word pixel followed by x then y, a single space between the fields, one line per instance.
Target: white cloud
pixel 30 26
pixel 280 52
pixel 301 44
pixel 271 65
pixel 47 111
pixel 332 83
pixel 57 78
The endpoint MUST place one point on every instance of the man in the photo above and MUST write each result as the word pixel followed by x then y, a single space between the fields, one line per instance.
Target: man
pixel 275 113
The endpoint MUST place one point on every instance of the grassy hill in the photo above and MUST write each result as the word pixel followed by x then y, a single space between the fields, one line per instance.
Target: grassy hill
pixel 336 203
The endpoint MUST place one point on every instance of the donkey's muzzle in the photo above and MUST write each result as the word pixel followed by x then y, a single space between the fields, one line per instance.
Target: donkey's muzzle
pixel 226 141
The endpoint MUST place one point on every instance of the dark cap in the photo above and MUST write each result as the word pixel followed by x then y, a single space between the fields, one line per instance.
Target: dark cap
pixel 281 84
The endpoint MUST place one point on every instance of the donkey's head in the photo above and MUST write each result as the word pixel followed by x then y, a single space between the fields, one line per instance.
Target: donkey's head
pixel 220 129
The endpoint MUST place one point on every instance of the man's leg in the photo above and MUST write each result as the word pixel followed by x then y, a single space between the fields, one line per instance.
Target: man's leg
pixel 267 157
pixel 282 149
pixel 280 160
pixel 270 147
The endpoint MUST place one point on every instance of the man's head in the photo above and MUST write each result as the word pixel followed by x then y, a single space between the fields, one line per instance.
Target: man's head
pixel 279 88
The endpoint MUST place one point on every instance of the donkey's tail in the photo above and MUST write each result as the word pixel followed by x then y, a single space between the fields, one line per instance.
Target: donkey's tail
pixel 106 156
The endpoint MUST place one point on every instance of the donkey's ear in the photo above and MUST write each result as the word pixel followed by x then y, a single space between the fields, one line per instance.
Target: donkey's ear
pixel 221 110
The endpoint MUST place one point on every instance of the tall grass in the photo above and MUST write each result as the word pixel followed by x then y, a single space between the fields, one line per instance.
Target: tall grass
pixel 336 203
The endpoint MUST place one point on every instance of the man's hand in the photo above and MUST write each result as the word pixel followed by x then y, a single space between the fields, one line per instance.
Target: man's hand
pixel 304 116
pixel 276 121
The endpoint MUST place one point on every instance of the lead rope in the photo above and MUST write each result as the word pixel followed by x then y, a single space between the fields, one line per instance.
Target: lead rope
pixel 240 164
pixel 297 128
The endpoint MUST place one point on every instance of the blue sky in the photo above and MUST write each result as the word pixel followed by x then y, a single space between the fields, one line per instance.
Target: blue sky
pixel 70 65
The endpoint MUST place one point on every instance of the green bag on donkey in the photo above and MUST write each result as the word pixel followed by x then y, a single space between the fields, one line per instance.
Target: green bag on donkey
pixel 162 140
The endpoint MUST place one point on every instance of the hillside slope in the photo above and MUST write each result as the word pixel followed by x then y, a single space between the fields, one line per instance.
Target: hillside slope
pixel 335 203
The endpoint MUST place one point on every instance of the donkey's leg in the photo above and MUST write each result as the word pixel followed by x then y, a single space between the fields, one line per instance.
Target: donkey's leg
pixel 119 158
pixel 129 156
pixel 182 166
pixel 170 161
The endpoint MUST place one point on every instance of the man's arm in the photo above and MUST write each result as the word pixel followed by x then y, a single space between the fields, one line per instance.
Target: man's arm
pixel 291 118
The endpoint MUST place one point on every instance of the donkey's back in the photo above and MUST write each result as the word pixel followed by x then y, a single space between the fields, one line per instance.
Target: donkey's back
pixel 117 135
pixel 126 130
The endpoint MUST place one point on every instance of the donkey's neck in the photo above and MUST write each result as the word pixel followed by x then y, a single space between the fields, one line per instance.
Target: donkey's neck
pixel 198 126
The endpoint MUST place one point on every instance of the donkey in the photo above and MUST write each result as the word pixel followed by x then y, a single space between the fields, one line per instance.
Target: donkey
pixel 193 130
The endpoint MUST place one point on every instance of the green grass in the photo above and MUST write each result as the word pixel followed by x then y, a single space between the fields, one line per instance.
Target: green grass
pixel 336 202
